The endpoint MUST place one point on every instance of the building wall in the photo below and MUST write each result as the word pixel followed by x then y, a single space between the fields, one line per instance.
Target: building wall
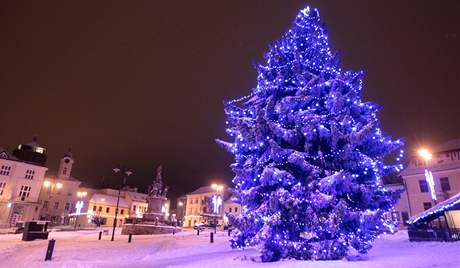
pixel 194 209
pixel 19 178
pixel 199 208
pixel 443 165
pixel 106 213
pixel 137 208
pixel 230 207
pixel 58 203
pixel 86 218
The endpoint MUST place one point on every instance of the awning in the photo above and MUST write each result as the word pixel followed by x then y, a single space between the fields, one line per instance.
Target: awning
pixel 428 215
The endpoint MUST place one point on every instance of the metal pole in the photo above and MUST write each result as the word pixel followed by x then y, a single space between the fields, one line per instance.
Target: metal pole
pixel 116 214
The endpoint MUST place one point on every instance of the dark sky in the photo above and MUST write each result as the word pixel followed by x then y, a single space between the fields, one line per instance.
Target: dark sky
pixel 142 82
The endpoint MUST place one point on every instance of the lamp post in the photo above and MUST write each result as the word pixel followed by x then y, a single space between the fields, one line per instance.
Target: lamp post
pixel 126 173
pixel 79 206
pixel 217 202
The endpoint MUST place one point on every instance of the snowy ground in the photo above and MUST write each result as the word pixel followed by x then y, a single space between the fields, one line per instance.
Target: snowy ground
pixel 82 249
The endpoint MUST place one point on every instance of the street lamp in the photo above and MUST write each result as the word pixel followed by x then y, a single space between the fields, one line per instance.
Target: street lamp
pixel 78 206
pixel 126 173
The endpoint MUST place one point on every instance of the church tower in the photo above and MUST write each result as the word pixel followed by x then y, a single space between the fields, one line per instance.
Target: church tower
pixel 65 166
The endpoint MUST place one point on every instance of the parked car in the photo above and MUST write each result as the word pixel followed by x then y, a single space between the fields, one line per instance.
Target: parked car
pixel 203 226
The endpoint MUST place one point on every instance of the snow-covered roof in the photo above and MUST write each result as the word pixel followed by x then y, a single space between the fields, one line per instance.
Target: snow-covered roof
pixel 202 190
pixel 108 200
pixel 137 196
pixel 437 210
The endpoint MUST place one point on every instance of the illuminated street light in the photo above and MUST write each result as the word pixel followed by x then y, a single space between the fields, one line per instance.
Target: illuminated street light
pixel 46 184
pixel 180 204
pixel 425 154
pixel 58 185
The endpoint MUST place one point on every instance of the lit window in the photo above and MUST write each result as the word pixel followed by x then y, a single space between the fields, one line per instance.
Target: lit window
pixel 24 192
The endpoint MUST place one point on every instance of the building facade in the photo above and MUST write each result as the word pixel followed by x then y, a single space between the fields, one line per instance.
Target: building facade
pixel 445 167
pixel 231 206
pixel 21 178
pixel 206 206
pixel 59 194
pixel 98 207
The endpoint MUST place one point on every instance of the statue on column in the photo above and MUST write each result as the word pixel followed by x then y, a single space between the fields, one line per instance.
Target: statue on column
pixel 157 189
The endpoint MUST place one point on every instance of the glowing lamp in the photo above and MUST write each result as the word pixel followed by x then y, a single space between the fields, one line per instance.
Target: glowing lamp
pixel 425 154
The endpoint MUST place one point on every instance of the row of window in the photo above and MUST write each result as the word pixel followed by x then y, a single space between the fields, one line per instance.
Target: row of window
pixel 141 209
pixel 107 209
pixel 445 185
pixel 5 170
pixel 30 174
pixel 67 206
pixel 235 209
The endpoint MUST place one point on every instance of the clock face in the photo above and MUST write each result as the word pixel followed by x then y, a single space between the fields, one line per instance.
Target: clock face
pixel 67 160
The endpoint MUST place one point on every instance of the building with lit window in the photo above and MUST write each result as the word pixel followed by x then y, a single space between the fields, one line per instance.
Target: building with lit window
pixel 205 205
pixel 231 206
pixel 444 164
pixel 98 206
pixel 58 196
pixel 21 178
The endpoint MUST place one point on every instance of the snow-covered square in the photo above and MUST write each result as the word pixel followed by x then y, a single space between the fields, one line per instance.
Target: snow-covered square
pixel 186 249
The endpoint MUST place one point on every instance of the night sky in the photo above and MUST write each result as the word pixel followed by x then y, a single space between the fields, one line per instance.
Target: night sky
pixel 141 83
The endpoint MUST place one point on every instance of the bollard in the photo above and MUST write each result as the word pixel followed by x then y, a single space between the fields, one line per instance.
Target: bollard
pixel 130 237
pixel 49 251
pixel 198 231
pixel 100 235
pixel 229 231
pixel 174 230
pixel 212 237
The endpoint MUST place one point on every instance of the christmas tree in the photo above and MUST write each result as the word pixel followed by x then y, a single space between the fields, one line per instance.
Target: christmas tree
pixel 309 154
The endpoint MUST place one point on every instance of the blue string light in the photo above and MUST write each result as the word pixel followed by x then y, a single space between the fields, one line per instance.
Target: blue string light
pixel 309 154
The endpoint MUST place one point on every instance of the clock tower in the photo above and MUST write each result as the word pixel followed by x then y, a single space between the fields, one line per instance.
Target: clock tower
pixel 65 166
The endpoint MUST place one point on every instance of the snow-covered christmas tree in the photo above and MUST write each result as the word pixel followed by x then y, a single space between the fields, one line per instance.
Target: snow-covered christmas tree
pixel 309 154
